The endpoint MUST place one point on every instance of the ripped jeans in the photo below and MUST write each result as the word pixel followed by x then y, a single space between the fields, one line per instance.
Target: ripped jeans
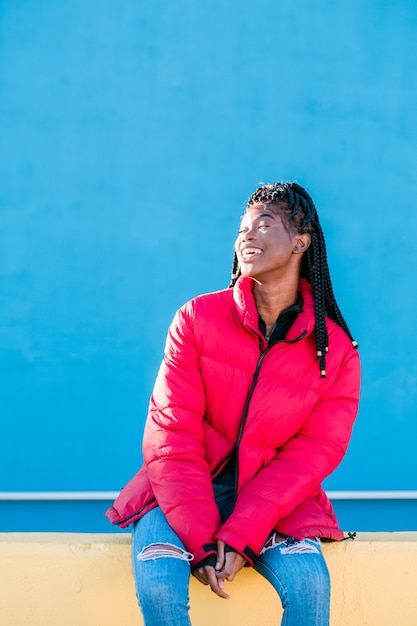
pixel 297 571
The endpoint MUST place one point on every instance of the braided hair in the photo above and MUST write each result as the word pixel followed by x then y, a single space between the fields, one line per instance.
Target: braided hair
pixel 295 203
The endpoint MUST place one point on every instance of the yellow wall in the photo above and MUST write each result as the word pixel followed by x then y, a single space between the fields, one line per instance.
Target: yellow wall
pixel 58 579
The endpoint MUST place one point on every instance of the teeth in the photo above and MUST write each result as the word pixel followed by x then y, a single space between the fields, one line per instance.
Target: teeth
pixel 250 251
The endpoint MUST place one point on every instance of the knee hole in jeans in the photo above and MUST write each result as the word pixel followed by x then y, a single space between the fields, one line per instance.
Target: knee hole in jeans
pixel 158 550
pixel 292 546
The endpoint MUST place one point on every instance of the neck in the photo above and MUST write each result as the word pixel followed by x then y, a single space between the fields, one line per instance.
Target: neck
pixel 272 299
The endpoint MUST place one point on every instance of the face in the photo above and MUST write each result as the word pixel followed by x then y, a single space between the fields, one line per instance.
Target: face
pixel 265 248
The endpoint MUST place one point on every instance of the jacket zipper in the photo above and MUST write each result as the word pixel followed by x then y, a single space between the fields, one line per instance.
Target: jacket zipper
pixel 242 425
pixel 248 399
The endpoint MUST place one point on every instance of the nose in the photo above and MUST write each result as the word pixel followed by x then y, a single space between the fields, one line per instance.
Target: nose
pixel 249 234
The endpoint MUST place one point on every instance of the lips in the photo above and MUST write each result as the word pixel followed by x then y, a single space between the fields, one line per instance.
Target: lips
pixel 249 253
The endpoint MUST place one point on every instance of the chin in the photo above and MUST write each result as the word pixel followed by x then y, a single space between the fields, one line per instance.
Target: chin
pixel 249 274
pixel 246 271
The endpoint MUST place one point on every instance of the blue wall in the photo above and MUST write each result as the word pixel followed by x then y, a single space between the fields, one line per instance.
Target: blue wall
pixel 132 134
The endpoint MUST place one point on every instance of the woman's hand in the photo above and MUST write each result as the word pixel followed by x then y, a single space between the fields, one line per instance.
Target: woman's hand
pixel 228 564
pixel 207 576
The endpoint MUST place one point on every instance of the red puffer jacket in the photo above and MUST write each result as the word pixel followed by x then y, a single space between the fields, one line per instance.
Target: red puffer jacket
pixel 220 386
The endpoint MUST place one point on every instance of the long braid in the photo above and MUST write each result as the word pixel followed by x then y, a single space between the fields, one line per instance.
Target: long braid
pixel 316 280
pixel 235 271
pixel 295 203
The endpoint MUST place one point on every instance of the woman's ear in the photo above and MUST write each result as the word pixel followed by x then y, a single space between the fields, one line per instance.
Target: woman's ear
pixel 302 242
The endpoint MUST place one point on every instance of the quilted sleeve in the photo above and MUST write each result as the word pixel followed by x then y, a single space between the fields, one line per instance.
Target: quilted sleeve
pixel 173 444
pixel 298 467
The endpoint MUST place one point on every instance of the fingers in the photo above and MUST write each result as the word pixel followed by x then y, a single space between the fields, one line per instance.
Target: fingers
pixel 216 585
pixel 228 564
pixel 220 555
pixel 207 576
pixel 201 577
pixel 233 563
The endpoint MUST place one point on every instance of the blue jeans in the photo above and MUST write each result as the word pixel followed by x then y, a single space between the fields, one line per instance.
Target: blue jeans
pixel 297 571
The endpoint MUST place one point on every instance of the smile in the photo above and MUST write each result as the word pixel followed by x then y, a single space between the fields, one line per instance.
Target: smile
pixel 249 253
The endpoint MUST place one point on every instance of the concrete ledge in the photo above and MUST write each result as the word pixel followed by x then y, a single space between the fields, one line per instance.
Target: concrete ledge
pixel 60 579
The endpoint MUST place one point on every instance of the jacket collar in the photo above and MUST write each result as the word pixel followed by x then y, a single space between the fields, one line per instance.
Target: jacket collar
pixel 248 314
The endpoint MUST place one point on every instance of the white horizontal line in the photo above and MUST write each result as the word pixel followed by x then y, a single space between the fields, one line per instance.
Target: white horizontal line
pixel 58 495
pixel 111 495
pixel 372 495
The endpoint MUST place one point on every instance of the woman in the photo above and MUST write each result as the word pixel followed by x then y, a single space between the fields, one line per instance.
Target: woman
pixel 252 408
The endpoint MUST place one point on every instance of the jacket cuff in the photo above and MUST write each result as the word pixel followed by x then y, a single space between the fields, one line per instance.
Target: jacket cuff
pixel 209 560
pixel 238 546
pixel 249 555
pixel 202 553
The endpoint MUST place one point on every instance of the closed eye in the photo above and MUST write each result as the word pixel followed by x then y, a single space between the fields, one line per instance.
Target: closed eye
pixel 260 227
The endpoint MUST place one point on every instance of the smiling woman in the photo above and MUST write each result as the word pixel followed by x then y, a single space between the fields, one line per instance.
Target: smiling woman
pixel 243 425
pixel 270 253
pixel 297 215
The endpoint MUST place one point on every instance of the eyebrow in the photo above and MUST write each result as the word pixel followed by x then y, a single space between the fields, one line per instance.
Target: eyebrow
pixel 266 215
